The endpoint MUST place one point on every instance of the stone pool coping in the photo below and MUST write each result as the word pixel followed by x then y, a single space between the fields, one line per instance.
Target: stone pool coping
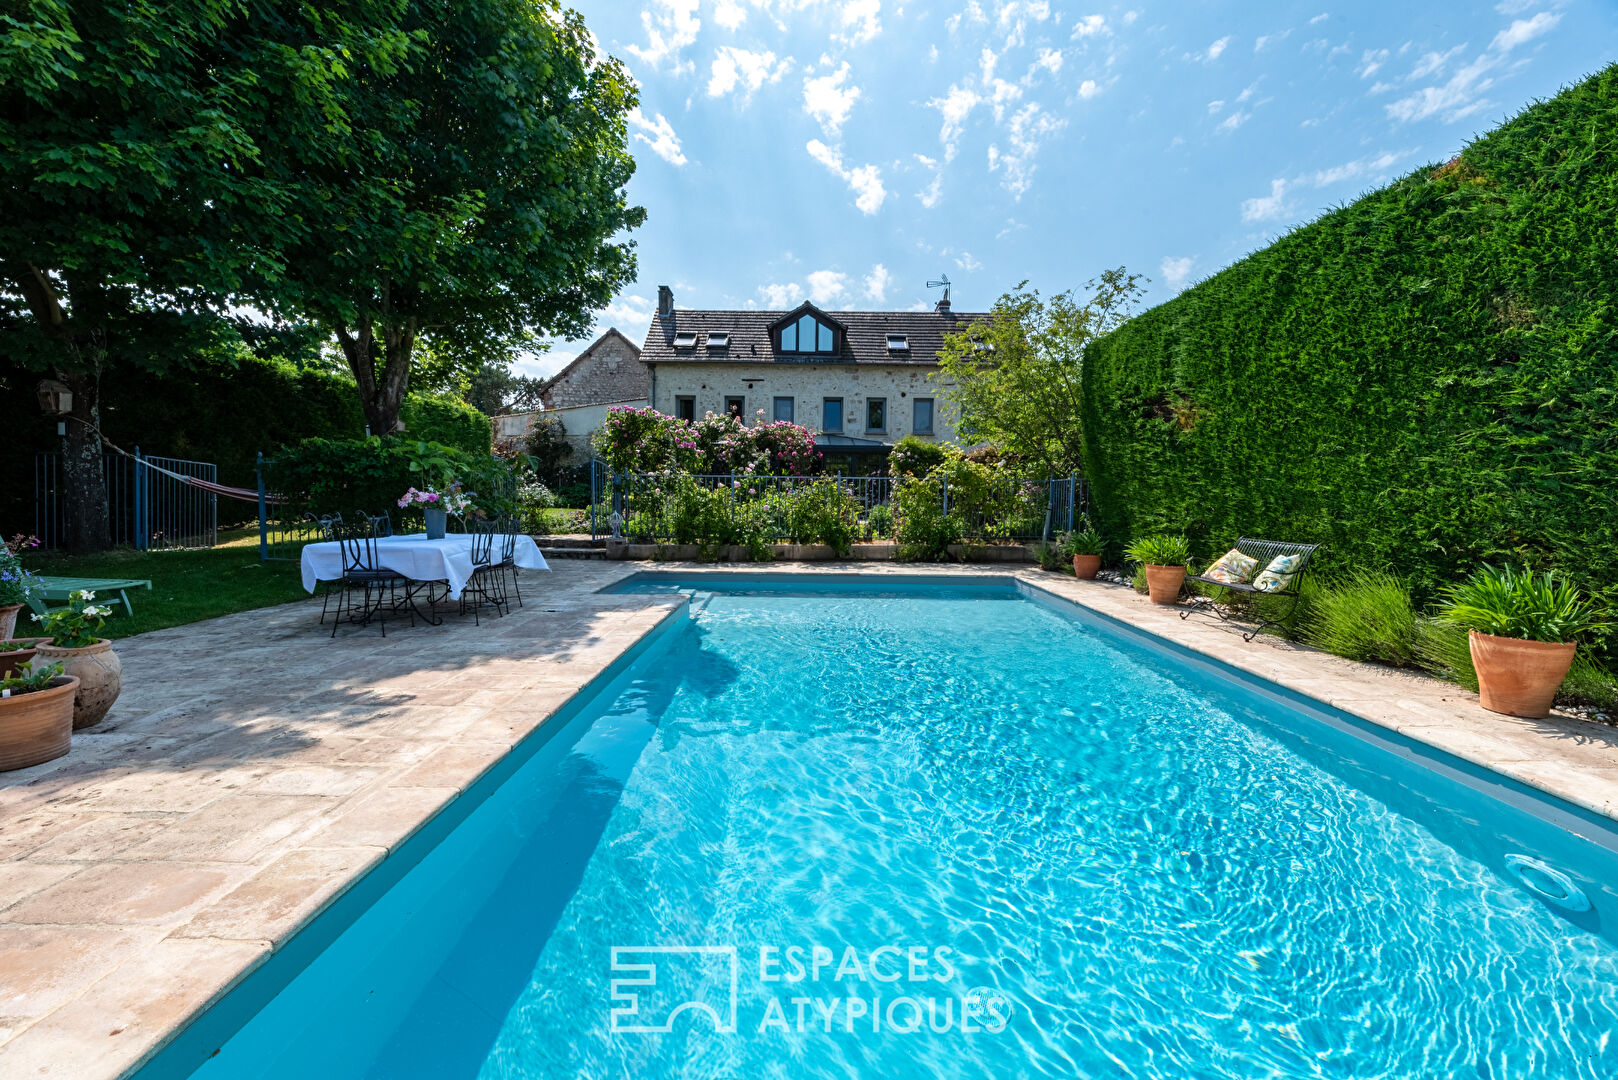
pixel 254 770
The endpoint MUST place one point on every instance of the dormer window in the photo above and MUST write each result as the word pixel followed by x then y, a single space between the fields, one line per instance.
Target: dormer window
pixel 808 335
pixel 719 339
pixel 685 339
pixel 898 343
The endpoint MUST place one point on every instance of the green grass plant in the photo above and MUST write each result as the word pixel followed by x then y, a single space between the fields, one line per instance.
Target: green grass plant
pixel 1366 615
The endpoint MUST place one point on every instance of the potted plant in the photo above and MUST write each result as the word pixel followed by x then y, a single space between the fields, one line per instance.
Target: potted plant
pixel 1085 546
pixel 1521 629
pixel 36 716
pixel 75 646
pixel 17 653
pixel 16 584
pixel 1164 559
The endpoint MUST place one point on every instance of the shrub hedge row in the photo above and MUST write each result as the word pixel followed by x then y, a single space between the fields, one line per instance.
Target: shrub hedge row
pixel 1425 379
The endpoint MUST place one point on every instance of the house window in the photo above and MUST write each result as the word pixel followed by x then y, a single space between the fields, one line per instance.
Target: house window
pixel 685 408
pixel 783 409
pixel 831 414
pixel 808 335
pixel 737 407
pixel 876 414
pixel 922 417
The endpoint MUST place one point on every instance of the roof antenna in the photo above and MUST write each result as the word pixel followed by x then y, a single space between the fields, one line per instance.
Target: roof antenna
pixel 942 282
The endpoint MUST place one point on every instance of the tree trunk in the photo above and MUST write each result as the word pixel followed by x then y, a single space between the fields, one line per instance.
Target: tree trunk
pixel 83 489
pixel 382 393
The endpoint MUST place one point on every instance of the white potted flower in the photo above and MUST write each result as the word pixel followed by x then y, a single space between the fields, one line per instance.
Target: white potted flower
pixel 75 646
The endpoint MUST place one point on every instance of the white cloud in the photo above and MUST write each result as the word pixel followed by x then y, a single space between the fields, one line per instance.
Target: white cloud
pixel 668 33
pixel 864 180
pixel 729 13
pixel 1234 121
pixel 1322 17
pixel 955 106
pixel 1433 63
pixel 1090 26
pixel 1026 132
pixel 972 13
pixel 1523 31
pixel 628 310
pixel 1215 106
pixel 1371 62
pixel 1219 47
pixel 934 191
pixel 1015 15
pixel 1374 167
pixel 659 135
pixel 828 99
pixel 1266 40
pixel 734 68
pixel 827 286
pixel 1460 97
pixel 780 297
pixel 966 262
pixel 860 21
pixel 1088 89
pixel 1177 271
pixel 1269 207
pixel 876 284
pixel 1048 60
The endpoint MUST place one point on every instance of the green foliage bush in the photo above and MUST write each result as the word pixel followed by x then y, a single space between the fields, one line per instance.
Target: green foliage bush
pixel 1423 379
pixel 912 456
pixel 324 476
pixel 1158 551
pixel 1365 616
pixel 924 531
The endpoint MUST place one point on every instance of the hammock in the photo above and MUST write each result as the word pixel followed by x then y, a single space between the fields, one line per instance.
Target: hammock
pixel 244 494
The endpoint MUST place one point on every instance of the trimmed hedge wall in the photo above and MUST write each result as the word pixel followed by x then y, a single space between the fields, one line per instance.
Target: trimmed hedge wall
pixel 1425 380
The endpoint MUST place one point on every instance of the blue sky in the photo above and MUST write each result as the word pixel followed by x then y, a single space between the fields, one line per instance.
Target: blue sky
pixel 848 151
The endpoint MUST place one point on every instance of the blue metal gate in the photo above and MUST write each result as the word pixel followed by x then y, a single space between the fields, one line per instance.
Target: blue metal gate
pixel 145 508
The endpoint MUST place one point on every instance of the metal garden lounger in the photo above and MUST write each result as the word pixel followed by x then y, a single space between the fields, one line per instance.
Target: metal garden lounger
pixel 60 588
pixel 1263 551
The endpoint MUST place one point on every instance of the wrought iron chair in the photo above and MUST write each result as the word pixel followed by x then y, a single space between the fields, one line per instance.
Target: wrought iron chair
pixel 484 584
pixel 507 563
pixel 381 525
pixel 327 526
pixel 1263 552
pixel 362 573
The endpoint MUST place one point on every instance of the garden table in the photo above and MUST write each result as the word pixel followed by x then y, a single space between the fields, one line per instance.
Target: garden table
pixel 416 558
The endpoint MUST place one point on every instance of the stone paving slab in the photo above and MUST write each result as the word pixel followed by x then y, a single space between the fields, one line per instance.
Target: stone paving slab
pixel 254 769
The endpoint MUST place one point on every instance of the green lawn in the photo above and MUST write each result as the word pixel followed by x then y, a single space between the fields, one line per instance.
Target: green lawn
pixel 186 585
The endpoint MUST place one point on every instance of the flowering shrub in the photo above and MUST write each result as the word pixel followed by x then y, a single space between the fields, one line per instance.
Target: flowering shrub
pixel 789 448
pixel 15 583
pixel 636 440
pixel 75 626
pixel 640 440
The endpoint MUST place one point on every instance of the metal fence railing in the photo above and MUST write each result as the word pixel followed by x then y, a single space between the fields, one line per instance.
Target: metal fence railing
pixel 145 508
pixel 660 508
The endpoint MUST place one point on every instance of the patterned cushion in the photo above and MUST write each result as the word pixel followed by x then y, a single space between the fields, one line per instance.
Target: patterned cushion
pixel 1233 568
pixel 1279 574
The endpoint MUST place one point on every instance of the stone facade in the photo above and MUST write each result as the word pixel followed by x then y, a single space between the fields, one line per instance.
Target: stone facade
pixel 809 386
pixel 608 372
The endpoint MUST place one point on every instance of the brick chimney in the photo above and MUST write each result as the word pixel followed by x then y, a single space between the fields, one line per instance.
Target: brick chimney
pixel 665 302
pixel 943 305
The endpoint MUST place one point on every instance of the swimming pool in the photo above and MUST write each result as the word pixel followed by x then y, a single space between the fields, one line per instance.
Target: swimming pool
pixel 816 829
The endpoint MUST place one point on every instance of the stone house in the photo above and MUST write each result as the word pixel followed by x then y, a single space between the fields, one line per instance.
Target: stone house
pixel 608 372
pixel 860 380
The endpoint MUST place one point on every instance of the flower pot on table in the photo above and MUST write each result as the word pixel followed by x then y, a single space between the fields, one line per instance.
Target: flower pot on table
pixel 1519 677
pixel 37 727
pixel 100 675
pixel 437 522
pixel 1163 583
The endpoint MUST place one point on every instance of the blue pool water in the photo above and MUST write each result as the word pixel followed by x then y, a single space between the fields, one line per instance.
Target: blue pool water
pixel 1053 848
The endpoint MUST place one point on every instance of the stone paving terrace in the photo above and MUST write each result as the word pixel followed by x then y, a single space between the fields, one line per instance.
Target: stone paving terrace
pixel 255 768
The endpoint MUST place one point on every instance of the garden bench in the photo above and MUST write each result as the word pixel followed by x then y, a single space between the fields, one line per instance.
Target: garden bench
pixel 61 588
pixel 1263 552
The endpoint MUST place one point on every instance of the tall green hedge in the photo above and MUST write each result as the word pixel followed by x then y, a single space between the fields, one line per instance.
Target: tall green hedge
pixel 1425 379
pixel 221 413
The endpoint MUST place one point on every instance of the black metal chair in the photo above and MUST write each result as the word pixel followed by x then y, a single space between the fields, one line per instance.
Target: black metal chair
pixel 377 586
pixel 327 526
pixel 381 525
pixel 484 584
pixel 507 563
pixel 1263 552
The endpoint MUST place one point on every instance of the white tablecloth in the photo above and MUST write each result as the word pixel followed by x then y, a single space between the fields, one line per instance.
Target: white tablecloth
pixel 417 558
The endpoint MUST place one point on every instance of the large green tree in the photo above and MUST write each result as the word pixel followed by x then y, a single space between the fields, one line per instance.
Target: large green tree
pixel 1014 378
pixel 503 142
pixel 133 136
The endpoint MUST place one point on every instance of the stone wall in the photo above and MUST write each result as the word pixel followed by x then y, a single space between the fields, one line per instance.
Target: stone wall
pixel 809 385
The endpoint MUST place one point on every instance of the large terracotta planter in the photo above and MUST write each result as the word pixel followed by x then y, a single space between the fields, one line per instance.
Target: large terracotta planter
pixel 1518 677
pixel 8 619
pixel 1163 583
pixel 13 661
pixel 1085 567
pixel 37 727
pixel 100 674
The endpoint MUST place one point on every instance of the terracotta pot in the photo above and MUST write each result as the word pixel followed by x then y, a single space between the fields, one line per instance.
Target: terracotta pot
pixel 1085 567
pixel 13 661
pixel 1163 583
pixel 8 619
pixel 37 727
pixel 100 674
pixel 1518 677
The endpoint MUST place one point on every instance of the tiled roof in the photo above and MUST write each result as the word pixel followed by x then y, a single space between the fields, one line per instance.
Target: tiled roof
pixel 866 341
